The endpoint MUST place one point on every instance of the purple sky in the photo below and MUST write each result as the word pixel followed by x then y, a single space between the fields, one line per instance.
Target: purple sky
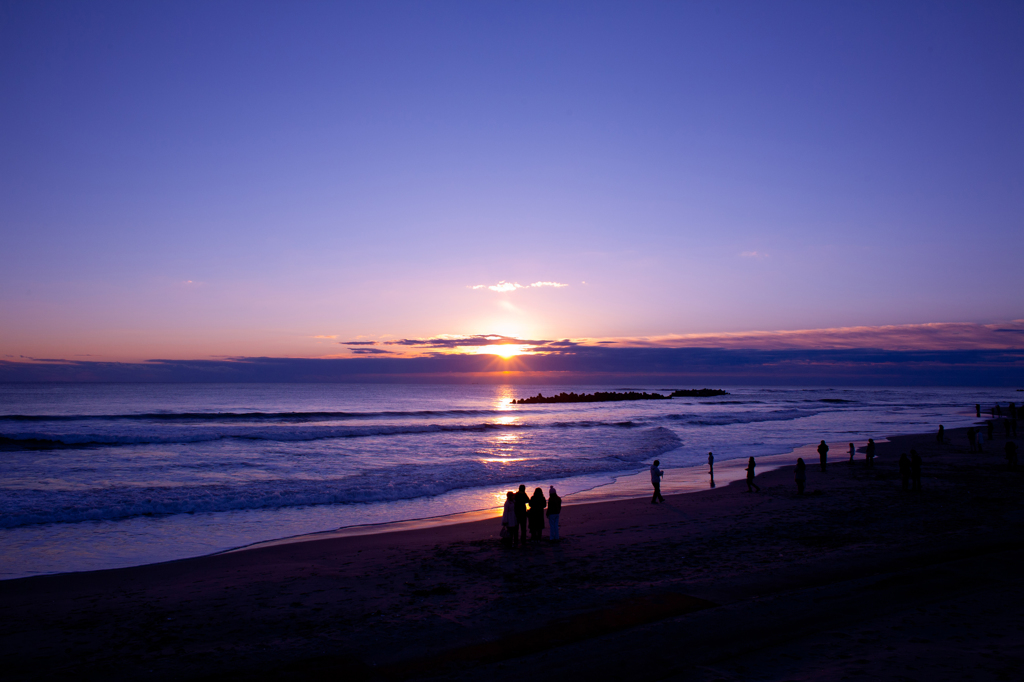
pixel 199 180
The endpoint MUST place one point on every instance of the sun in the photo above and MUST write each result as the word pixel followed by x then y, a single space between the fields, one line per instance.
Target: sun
pixel 507 350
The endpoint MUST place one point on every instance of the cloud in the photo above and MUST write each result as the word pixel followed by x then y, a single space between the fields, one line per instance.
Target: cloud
pixel 325 336
pixel 504 286
pixel 358 343
pixel 476 341
pixel 931 336
pixel 371 351
pixel 753 254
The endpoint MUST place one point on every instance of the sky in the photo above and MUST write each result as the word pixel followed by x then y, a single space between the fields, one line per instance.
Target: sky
pixel 200 181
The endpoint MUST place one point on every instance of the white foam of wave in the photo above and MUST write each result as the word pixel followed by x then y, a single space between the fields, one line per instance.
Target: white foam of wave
pixel 25 507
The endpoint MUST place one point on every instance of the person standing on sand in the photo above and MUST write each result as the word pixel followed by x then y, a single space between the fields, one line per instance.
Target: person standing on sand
pixel 823 454
pixel 852 451
pixel 521 499
pixel 750 476
pixel 711 468
pixel 905 471
pixel 801 475
pixel 508 519
pixel 869 453
pixel 554 510
pixel 915 469
pixel 979 436
pixel 1011 454
pixel 941 436
pixel 537 504
pixel 656 475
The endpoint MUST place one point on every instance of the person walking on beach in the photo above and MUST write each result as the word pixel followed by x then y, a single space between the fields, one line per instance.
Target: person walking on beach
pixel 711 468
pixel 656 475
pixel 508 519
pixel 990 424
pixel 869 453
pixel 521 499
pixel 852 451
pixel 554 510
pixel 905 471
pixel 977 410
pixel 915 469
pixel 750 476
pixel 801 475
pixel 823 454
pixel 941 435
pixel 537 505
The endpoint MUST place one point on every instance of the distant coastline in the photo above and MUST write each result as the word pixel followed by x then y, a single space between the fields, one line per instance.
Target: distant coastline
pixel 611 396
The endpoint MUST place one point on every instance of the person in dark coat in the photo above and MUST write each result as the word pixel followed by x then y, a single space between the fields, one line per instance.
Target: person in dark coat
pixel 869 453
pixel 521 500
pixel 941 435
pixel 853 451
pixel 554 512
pixel 801 475
pixel 823 454
pixel 915 469
pixel 905 471
pixel 750 476
pixel 1011 454
pixel 537 505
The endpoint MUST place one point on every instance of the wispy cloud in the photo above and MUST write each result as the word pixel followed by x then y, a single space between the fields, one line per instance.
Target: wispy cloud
pixel 371 351
pixel 932 336
pixel 326 336
pixel 504 286
pixel 754 254
pixel 357 343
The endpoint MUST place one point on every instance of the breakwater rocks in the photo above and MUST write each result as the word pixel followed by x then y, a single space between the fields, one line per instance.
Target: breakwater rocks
pixel 611 396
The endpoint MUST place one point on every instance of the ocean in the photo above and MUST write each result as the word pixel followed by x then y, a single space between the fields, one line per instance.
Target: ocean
pixel 107 475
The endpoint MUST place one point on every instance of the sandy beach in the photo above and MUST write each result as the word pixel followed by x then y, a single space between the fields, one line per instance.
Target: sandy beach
pixel 854 579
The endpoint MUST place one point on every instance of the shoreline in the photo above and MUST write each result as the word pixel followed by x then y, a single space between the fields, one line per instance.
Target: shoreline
pixel 762 580
pixel 686 480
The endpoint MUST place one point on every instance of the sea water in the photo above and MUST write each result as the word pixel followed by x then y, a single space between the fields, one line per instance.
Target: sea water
pixel 108 475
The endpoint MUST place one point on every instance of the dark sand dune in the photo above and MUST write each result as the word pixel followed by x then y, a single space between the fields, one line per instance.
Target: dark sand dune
pixel 856 579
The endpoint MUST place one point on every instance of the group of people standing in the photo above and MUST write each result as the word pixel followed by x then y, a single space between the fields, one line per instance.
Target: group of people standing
pixel 523 511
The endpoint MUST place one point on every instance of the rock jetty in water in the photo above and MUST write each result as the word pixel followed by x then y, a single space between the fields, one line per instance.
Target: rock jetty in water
pixel 698 393
pixel 610 396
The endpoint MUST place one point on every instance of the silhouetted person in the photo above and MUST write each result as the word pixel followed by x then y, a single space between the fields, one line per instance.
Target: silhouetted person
pixel 508 519
pixel 537 505
pixel 999 412
pixel 750 476
pixel 853 451
pixel 1011 454
pixel 869 453
pixel 801 475
pixel 972 438
pixel 941 436
pixel 980 437
pixel 905 471
pixel 1012 410
pixel 915 469
pixel 521 499
pixel 977 411
pixel 991 427
pixel 711 468
pixel 554 511
pixel 823 454
pixel 656 475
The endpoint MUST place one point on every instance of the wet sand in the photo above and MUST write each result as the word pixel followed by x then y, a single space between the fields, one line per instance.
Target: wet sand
pixel 854 579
